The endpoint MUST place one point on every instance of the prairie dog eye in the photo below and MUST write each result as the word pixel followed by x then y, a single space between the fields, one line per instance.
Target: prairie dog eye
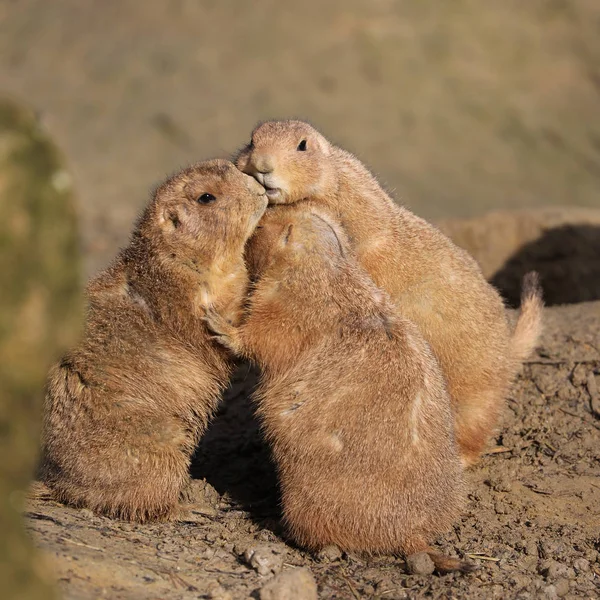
pixel 302 146
pixel 205 199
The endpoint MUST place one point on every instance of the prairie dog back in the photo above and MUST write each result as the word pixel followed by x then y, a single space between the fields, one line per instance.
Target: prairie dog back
pixel 352 399
pixel 433 283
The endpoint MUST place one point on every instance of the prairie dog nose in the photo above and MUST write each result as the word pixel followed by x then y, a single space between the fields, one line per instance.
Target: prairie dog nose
pixel 263 164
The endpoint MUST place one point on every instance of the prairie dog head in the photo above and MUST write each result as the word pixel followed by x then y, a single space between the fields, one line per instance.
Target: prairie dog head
pixel 296 239
pixel 290 159
pixel 205 212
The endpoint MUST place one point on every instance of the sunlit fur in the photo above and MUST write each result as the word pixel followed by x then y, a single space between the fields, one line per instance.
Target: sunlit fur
pixel 125 408
pixel 351 398
pixel 433 283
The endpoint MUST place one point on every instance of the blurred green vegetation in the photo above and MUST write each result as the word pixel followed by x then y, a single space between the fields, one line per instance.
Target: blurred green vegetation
pixel 39 317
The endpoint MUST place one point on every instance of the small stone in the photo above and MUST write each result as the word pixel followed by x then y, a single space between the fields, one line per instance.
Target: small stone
pixel 292 584
pixel 217 592
pixel 579 375
pixel 499 508
pixel 531 548
pixel 330 553
pixel 562 587
pixel 550 592
pixel 420 564
pixel 264 559
pixel 500 483
pixel 552 569
pixel 581 565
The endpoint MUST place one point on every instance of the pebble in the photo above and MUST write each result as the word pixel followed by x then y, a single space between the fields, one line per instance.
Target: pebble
pixel 264 559
pixel 420 564
pixel 217 592
pixel 562 587
pixel 500 483
pixel 552 569
pixel 330 553
pixel 581 565
pixel 291 584
pixel 531 548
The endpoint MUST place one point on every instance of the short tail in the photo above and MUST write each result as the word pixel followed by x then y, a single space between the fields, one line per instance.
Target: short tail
pixel 447 564
pixel 529 324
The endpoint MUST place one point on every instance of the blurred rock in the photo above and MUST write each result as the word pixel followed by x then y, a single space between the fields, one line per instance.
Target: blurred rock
pixel 265 559
pixel 561 243
pixel 420 564
pixel 293 584
pixel 39 317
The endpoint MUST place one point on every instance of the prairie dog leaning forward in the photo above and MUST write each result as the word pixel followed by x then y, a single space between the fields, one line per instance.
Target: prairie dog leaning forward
pixel 351 398
pixel 433 283
pixel 125 409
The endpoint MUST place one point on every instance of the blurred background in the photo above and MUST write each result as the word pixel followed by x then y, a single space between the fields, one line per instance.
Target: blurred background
pixel 459 107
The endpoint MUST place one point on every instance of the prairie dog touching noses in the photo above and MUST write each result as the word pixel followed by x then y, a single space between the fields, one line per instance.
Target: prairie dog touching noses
pixel 124 409
pixel 433 283
pixel 351 398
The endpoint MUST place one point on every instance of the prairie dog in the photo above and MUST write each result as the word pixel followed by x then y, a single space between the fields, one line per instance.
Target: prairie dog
pixel 433 283
pixel 351 398
pixel 124 410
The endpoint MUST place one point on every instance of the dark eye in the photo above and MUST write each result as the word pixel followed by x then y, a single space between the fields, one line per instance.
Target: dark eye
pixel 205 199
pixel 251 145
pixel 302 146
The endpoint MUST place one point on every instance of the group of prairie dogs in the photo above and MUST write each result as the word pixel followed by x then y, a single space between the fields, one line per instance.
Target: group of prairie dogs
pixel 385 356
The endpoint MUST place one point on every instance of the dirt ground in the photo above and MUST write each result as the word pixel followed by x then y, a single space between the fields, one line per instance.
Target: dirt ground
pixel 532 525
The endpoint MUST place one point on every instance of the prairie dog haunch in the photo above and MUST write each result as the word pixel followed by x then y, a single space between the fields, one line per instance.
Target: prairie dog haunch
pixel 351 398
pixel 433 283
pixel 124 409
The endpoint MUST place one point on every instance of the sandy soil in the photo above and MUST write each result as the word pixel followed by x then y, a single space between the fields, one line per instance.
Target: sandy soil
pixel 532 525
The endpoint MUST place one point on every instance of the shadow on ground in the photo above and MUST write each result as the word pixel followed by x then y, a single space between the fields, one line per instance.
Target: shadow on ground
pixel 233 456
pixel 568 261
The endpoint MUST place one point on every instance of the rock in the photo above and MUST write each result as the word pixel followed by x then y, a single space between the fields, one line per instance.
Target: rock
pixel 39 318
pixel 330 553
pixel 217 592
pixel 264 559
pixel 420 564
pixel 531 548
pixel 550 592
pixel 552 569
pixel 292 584
pixel 562 587
pixel 581 565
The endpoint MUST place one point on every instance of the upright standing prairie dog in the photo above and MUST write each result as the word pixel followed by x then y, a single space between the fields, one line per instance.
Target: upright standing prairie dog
pixel 433 283
pixel 351 397
pixel 125 409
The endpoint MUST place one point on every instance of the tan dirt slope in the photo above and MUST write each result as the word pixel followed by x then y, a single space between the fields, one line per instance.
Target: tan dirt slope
pixel 459 106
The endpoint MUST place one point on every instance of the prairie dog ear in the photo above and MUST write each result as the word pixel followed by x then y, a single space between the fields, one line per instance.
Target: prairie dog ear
pixel 330 232
pixel 323 144
pixel 172 217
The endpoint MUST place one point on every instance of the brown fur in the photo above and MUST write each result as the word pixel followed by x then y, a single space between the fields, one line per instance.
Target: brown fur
pixel 124 410
pixel 351 397
pixel 433 283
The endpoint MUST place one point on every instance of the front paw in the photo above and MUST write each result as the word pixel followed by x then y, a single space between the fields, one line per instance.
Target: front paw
pixel 223 331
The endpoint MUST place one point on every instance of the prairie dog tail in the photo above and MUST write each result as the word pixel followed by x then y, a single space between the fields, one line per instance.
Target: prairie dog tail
pixel 529 324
